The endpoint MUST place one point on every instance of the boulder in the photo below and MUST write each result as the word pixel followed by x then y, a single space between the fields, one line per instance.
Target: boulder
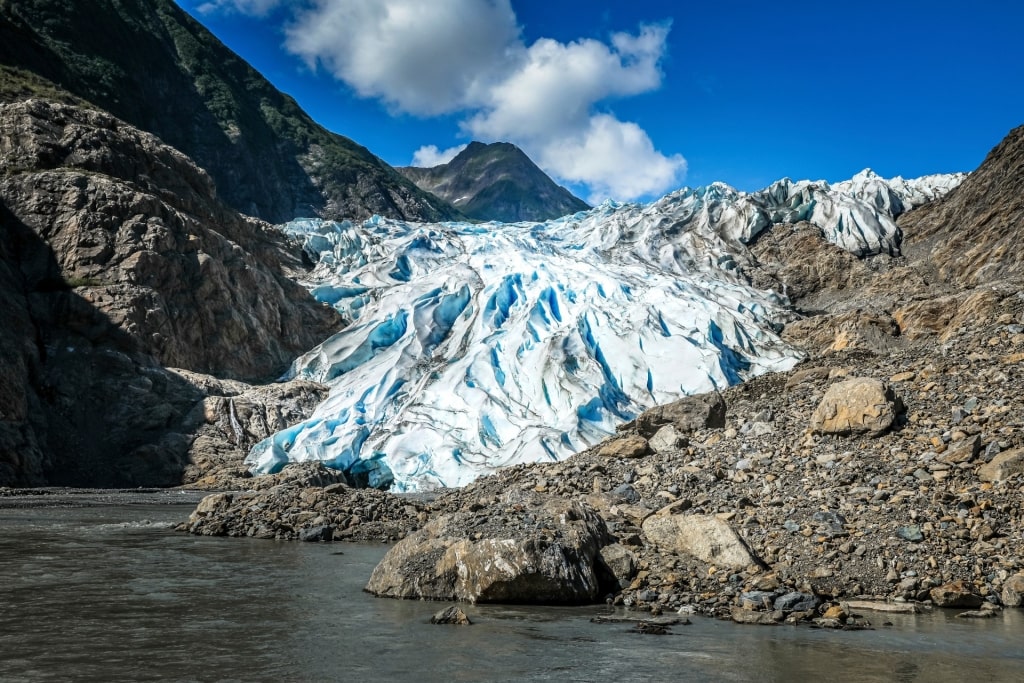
pixel 212 504
pixel 316 534
pixel 1003 466
pixel 1013 591
pixel 956 594
pixel 620 563
pixel 757 600
pixel 667 439
pixel 451 615
pixel 526 548
pixel 704 537
pixel 796 602
pixel 686 415
pixel 856 405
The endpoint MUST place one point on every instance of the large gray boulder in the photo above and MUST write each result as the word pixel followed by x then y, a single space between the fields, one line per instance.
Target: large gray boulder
pixel 525 548
pixel 686 415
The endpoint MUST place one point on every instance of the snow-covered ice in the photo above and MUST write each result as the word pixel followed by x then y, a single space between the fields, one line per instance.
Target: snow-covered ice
pixel 477 346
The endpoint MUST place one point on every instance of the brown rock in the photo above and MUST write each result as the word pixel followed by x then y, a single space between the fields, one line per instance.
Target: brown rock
pixel 835 612
pixel 632 446
pixel 1003 466
pixel 860 329
pixel 856 405
pixel 703 411
pixel 964 452
pixel 1013 591
pixel 956 594
pixel 755 618
pixel 808 375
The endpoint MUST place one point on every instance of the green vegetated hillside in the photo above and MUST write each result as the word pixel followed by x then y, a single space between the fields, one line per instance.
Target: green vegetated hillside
pixel 152 65
pixel 497 182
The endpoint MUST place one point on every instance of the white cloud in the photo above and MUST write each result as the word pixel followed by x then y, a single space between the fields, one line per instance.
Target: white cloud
pixel 419 57
pixel 429 156
pixel 615 159
pixel 256 8
pixel 468 57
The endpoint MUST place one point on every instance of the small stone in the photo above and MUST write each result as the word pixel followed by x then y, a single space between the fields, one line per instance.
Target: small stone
pixel 991 451
pixel 910 533
pixel 746 616
pixel 828 623
pixel 627 493
pixel 835 612
pixel 966 451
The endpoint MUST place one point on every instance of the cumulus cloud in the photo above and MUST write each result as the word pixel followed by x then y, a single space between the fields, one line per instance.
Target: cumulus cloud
pixel 468 57
pixel 256 8
pixel 615 159
pixel 429 156
pixel 420 57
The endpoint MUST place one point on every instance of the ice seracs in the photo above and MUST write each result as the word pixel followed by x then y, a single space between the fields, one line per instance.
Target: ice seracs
pixel 474 347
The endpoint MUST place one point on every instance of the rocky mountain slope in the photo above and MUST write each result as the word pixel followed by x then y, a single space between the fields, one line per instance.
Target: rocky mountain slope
pixel 973 236
pixel 150 64
pixel 884 472
pixel 496 182
pixel 117 260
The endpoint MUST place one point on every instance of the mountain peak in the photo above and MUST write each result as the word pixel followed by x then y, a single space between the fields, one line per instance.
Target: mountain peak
pixel 496 182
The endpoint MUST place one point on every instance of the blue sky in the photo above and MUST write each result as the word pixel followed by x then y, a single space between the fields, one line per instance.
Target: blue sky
pixel 630 100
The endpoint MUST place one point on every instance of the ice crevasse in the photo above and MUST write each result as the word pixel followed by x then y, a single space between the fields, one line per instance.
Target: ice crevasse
pixel 473 347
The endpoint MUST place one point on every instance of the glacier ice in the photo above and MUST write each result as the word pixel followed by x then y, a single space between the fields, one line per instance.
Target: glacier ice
pixel 477 346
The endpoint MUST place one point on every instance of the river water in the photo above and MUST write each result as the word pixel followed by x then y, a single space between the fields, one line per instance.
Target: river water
pixel 110 593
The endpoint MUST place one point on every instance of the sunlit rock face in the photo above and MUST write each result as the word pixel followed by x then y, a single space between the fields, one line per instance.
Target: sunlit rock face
pixel 478 346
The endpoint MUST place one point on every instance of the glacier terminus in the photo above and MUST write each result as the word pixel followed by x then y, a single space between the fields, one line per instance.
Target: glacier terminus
pixel 473 347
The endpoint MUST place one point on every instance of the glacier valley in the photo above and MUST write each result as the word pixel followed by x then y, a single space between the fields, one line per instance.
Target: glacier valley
pixel 473 347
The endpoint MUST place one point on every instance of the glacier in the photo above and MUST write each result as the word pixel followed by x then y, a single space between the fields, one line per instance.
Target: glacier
pixel 474 347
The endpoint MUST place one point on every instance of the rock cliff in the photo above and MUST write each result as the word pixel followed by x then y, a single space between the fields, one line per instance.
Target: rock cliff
pixel 116 260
